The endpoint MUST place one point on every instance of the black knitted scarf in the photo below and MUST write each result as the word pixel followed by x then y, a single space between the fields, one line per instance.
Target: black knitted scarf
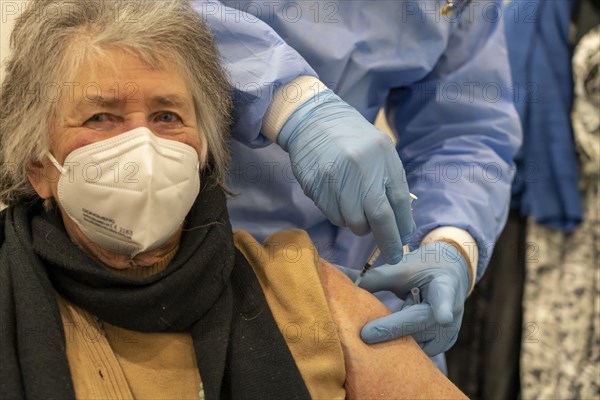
pixel 208 289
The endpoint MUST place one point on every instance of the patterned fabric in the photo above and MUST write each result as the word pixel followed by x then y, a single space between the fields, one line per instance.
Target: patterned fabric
pixel 561 333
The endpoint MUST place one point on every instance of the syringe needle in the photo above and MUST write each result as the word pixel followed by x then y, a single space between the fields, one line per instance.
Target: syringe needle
pixel 376 252
pixel 368 264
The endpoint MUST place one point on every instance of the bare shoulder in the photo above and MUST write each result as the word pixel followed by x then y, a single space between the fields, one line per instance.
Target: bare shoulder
pixel 396 369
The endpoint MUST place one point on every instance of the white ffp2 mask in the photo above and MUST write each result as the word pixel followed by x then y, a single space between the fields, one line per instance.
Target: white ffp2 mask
pixel 129 193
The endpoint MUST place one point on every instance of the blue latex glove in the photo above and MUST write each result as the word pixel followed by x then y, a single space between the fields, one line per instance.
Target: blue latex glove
pixel 351 171
pixel 441 274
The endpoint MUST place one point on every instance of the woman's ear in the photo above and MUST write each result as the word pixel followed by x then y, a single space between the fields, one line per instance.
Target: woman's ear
pixel 38 175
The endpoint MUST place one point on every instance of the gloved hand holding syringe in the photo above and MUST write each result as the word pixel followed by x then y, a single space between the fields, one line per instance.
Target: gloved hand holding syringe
pixel 415 292
pixel 376 252
pixel 433 280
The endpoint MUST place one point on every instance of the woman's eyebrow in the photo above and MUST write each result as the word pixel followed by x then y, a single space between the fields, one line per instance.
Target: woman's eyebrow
pixel 170 100
pixel 98 100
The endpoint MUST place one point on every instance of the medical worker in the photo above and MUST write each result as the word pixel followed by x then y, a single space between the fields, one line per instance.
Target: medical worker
pixel 545 253
pixel 441 71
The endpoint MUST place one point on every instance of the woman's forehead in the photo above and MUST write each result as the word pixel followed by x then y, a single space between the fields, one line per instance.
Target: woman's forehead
pixel 120 76
pixel 116 63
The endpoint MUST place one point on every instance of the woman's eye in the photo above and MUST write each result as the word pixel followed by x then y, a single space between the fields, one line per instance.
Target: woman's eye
pixel 167 117
pixel 101 121
pixel 98 118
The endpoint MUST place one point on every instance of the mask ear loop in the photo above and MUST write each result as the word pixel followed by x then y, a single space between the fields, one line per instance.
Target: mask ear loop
pixel 54 162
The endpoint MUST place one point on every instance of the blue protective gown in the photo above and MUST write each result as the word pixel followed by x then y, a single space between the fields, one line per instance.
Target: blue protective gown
pixel 444 82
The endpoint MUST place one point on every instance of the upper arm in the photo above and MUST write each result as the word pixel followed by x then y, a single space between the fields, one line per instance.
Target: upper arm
pixel 395 369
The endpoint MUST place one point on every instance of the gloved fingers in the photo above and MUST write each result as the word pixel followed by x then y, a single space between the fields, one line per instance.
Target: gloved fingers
pixel 426 333
pixel 441 295
pixel 405 322
pixel 382 221
pixel 374 280
pixel 359 227
pixel 433 347
pixel 333 214
pixel 353 208
pixel 400 201
pixel 442 341
pixel 407 236
pixel 349 272
pixel 408 302
pixel 384 277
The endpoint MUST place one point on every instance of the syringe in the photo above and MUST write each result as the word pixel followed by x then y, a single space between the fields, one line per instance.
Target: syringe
pixel 368 264
pixel 376 252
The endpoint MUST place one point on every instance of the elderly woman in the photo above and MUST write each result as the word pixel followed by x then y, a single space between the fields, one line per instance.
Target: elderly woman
pixel 120 275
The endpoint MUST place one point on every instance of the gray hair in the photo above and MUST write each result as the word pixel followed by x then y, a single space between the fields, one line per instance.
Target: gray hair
pixel 53 38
